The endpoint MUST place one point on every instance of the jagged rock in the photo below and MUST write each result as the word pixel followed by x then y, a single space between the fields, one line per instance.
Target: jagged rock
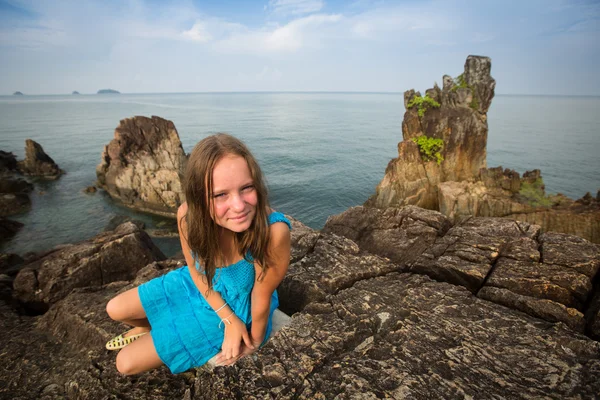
pixel 404 336
pixel 143 165
pixel 121 219
pixel 8 161
pixel 303 239
pixel 8 263
pixel 8 228
pixel 90 190
pixel 108 257
pixel 460 121
pixel 401 234
pixel 499 193
pixel 360 330
pixel 11 204
pixel 14 195
pixel 466 253
pixel 38 163
pixel 305 281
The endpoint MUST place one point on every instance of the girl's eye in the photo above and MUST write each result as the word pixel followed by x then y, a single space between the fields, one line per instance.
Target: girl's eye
pixel 248 188
pixel 218 195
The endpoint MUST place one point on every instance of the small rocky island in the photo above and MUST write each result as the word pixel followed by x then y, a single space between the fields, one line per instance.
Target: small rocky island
pixel 387 301
pixel 108 91
pixel 75 92
pixel 17 94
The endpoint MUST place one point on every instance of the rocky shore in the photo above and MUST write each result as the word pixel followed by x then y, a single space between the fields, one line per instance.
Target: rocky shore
pixel 424 292
pixel 396 303
pixel 441 163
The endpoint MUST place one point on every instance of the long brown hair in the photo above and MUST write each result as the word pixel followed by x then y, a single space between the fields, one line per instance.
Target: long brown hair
pixel 203 232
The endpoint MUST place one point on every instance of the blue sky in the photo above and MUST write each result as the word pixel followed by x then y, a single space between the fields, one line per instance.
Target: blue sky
pixel 137 46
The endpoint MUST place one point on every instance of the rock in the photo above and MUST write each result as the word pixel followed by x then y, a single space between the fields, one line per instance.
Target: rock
pixel 14 185
pixel 498 194
pixel 11 204
pixel 361 329
pixel 17 94
pixel 108 257
pixel 14 196
pixel 8 229
pixel 143 165
pixel 460 121
pixel 404 336
pixel 401 234
pixel 303 239
pixel 8 162
pixel 9 262
pixel 90 189
pixel 121 219
pixel 305 281
pixel 466 254
pixel 38 163
pixel 75 92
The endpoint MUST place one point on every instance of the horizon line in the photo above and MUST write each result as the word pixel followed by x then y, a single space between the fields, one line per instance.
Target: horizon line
pixel 279 92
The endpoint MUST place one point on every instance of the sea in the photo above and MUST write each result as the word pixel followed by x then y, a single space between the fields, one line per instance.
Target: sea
pixel 321 152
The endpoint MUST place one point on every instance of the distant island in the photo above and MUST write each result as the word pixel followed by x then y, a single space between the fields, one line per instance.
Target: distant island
pixel 75 92
pixel 108 91
pixel 17 94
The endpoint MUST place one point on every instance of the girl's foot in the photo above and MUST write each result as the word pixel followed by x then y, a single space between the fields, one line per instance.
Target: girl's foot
pixel 126 338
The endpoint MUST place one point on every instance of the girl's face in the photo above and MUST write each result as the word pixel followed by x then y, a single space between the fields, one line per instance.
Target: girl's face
pixel 234 197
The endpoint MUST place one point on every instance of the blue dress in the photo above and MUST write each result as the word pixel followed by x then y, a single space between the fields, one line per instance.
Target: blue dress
pixel 185 328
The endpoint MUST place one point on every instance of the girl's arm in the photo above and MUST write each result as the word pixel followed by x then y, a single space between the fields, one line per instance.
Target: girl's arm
pixel 279 260
pixel 235 330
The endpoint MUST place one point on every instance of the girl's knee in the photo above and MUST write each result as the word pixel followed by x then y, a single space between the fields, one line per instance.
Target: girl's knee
pixel 125 364
pixel 113 309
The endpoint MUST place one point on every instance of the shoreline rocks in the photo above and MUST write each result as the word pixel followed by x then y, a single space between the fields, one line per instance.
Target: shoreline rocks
pixel 367 320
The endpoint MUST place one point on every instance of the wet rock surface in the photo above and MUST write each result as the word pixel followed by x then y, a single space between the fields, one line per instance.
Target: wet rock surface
pixel 142 167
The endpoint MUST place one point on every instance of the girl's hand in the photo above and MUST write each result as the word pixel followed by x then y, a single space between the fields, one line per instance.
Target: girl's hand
pixel 221 361
pixel 235 334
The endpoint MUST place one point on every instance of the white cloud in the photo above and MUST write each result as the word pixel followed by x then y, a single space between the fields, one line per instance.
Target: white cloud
pixel 297 34
pixel 295 7
pixel 268 74
pixel 198 33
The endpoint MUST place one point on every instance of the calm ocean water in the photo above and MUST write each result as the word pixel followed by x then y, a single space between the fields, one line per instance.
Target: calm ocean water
pixel 321 152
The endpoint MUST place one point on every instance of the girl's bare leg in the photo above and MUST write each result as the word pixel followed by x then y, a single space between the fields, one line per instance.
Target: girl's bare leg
pixel 139 356
pixel 127 308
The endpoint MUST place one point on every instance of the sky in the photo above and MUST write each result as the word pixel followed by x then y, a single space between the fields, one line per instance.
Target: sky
pixel 541 47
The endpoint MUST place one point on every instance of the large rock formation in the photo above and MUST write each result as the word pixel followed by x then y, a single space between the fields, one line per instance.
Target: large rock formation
pixel 459 120
pixel 459 184
pixel 38 163
pixel 143 165
pixel 109 257
pixel 363 326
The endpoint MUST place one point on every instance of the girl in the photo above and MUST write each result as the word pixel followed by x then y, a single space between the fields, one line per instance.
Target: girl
pixel 237 252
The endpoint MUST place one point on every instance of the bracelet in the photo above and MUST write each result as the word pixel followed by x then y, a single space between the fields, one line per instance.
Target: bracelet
pixel 220 308
pixel 226 319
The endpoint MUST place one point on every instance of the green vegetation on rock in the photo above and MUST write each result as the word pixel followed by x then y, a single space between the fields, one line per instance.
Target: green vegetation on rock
pixel 533 194
pixel 430 148
pixel 461 83
pixel 422 103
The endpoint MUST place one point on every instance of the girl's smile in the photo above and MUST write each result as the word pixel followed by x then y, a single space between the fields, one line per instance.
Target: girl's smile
pixel 234 197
